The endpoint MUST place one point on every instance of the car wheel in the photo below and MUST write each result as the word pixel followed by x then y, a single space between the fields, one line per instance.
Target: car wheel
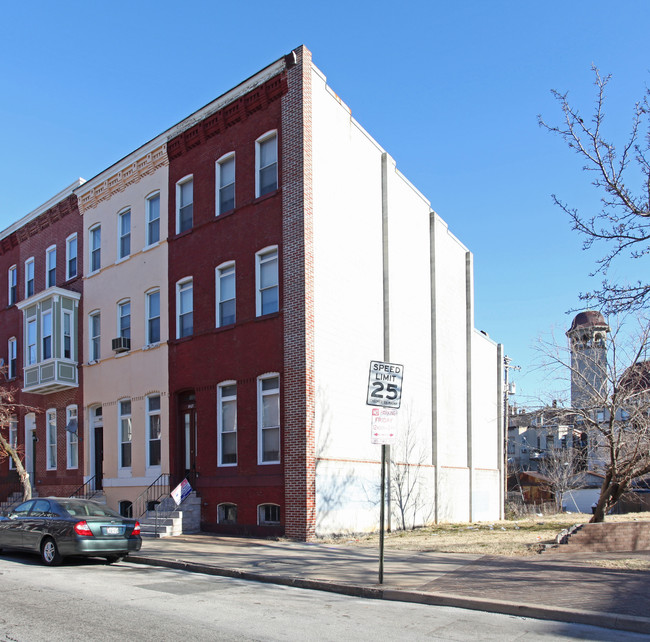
pixel 113 559
pixel 50 553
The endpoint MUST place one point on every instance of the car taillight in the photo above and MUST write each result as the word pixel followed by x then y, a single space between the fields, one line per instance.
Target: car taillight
pixel 82 528
pixel 136 529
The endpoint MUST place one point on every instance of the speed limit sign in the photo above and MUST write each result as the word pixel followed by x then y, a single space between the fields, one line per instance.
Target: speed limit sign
pixel 385 384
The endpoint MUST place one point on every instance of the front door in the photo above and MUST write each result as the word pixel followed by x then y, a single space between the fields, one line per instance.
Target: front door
pixel 97 427
pixel 187 431
pixel 30 447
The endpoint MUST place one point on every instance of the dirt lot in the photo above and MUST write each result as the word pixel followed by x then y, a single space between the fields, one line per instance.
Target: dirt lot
pixel 520 537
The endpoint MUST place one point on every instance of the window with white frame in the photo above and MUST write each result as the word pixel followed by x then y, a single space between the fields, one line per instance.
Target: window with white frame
pixel 50 267
pixel 268 405
pixel 266 160
pixel 46 335
pixel 152 305
pixel 153 430
pixel 13 439
pixel 125 432
pixel 50 436
pixel 153 218
pixel 225 183
pixel 227 513
pixel 94 328
pixel 124 234
pixel 30 353
pixel 226 304
pixel 66 327
pixel 12 293
pixel 29 277
pixel 600 415
pixel 124 319
pixel 227 423
pixel 72 437
pixel 12 358
pixel 268 514
pixel 184 204
pixel 71 257
pixel 184 308
pixel 95 247
pixel 268 298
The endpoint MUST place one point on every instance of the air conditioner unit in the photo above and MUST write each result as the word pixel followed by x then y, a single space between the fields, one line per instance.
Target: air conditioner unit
pixel 121 344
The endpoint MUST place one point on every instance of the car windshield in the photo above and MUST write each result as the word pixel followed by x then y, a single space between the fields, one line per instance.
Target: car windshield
pixel 87 509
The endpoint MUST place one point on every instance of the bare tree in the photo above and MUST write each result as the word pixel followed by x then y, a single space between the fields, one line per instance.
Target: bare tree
pixel 614 408
pixel 7 449
pixel 561 469
pixel 623 222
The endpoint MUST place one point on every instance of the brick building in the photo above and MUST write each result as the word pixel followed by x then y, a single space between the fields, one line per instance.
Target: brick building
pixel 289 253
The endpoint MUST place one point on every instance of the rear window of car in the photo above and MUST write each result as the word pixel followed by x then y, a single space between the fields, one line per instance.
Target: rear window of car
pixel 87 509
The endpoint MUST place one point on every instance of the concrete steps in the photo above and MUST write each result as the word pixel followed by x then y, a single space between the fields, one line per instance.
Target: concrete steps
pixel 608 537
pixel 165 521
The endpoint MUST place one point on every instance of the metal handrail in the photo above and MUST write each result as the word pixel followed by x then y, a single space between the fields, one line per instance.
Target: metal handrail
pixel 151 495
pixel 87 490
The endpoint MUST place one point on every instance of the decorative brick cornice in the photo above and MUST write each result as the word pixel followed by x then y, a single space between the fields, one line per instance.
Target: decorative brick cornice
pixel 121 179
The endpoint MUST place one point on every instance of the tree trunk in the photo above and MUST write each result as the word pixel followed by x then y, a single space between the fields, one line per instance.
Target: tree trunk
pixel 20 469
pixel 607 500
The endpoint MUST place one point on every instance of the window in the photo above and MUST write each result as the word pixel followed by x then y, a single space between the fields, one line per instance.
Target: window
pixel 126 508
pixel 50 267
pixel 29 277
pixel 625 415
pixel 153 317
pixel 227 423
pixel 153 218
pixel 153 430
pixel 225 294
pixel 94 323
pixel 227 514
pixel 268 299
pixel 71 257
pixel 46 335
pixel 268 514
pixel 184 306
pixel 12 358
pixel 226 184
pixel 266 159
pixel 184 205
pixel 124 234
pixel 124 319
pixel 67 334
pixel 72 437
pixel 12 295
pixel 95 248
pixel 31 342
pixel 125 429
pixel 600 415
pixel 13 439
pixel 268 404
pixel 51 439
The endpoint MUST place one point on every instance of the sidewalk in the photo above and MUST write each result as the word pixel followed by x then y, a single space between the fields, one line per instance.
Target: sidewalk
pixel 554 587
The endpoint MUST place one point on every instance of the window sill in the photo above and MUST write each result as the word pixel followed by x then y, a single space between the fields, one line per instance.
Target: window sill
pixel 259 199
pixel 270 315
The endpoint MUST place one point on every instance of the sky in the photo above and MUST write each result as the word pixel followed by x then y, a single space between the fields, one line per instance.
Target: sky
pixel 451 90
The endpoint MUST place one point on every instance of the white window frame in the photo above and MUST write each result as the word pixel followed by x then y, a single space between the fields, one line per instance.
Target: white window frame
pixel 180 285
pixel 94 340
pixel 261 258
pixel 13 438
pixel 273 134
pixel 71 254
pixel 67 314
pixel 50 266
pixel 226 158
pixel 29 272
pixel 31 343
pixel 51 439
pixel 186 179
pixel 148 200
pixel 44 315
pixel 12 358
pixel 121 306
pixel 94 233
pixel 261 522
pixel 222 271
pixel 12 285
pixel 221 399
pixel 124 422
pixel 151 414
pixel 72 439
pixel 260 418
pixel 149 318
pixel 123 237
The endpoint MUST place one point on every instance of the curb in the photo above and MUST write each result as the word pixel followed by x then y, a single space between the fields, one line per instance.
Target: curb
pixel 605 620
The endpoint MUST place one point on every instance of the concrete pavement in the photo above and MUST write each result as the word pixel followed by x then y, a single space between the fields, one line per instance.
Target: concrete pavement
pixel 555 587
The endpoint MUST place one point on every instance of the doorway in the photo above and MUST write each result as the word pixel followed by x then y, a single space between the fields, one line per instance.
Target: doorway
pixel 30 447
pixel 187 433
pixel 97 428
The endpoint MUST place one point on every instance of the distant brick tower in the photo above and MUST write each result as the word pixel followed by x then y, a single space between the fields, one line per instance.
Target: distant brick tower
pixel 588 343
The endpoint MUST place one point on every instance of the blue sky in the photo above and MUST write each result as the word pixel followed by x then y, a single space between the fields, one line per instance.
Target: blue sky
pixel 450 89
